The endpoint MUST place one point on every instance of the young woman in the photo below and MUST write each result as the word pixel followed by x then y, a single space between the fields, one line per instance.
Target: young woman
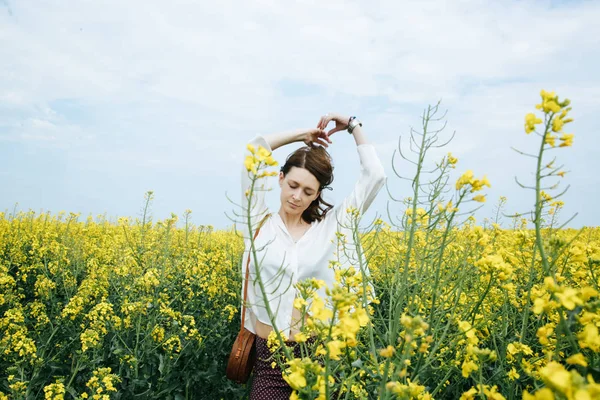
pixel 298 241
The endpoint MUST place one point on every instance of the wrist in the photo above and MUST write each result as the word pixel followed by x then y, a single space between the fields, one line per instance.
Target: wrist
pixel 342 119
pixel 353 123
pixel 303 135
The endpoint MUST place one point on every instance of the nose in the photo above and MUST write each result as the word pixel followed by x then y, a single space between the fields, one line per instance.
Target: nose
pixel 296 195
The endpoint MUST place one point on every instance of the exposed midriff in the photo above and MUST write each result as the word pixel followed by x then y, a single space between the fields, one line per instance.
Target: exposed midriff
pixel 263 329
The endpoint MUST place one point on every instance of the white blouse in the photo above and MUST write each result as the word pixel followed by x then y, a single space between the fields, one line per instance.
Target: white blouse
pixel 284 262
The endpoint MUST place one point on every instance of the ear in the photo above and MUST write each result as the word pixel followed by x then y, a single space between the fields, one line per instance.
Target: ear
pixel 281 177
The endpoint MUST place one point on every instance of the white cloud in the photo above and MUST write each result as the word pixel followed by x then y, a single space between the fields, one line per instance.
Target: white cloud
pixel 157 85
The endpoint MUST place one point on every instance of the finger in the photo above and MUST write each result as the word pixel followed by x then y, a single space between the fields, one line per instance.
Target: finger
pixel 320 124
pixel 325 136
pixel 322 142
pixel 334 130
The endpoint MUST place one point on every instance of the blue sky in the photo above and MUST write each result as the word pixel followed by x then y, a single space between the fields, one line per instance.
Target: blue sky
pixel 103 101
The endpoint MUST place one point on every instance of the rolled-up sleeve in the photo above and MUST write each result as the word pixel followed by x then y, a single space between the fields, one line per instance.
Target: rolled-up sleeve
pixel 257 206
pixel 370 181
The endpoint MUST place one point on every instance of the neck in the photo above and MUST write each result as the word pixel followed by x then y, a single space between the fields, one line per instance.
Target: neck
pixel 291 220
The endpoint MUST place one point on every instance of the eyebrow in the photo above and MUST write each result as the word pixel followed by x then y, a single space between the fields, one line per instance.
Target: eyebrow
pixel 297 183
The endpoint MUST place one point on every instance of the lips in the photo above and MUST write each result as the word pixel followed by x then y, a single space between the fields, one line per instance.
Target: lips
pixel 293 205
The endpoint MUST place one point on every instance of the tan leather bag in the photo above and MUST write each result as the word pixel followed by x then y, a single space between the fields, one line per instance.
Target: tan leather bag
pixel 243 354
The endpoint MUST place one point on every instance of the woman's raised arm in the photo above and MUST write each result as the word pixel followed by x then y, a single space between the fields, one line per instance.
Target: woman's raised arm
pixel 372 175
pixel 308 136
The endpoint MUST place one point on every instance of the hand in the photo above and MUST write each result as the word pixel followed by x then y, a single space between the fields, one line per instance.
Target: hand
pixel 341 123
pixel 318 136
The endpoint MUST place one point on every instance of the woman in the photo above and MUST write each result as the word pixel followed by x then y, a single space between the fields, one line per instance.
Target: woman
pixel 298 241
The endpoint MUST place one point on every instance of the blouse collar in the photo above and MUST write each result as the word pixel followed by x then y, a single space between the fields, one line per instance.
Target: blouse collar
pixel 282 226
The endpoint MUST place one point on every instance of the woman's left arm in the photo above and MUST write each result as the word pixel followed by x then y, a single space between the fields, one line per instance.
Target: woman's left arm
pixel 359 136
pixel 372 175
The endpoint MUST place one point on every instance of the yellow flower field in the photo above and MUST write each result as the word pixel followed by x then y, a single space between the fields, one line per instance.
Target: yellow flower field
pixel 99 309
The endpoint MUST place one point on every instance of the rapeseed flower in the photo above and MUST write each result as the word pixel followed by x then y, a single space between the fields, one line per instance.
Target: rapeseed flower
pixel 294 375
pixel 452 160
pixel 387 352
pixel 530 122
pixel 549 102
pixel 566 139
pixel 589 338
pixel 542 394
pixel 577 359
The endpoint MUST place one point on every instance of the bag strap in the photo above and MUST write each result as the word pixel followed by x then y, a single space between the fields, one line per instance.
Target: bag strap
pixel 248 272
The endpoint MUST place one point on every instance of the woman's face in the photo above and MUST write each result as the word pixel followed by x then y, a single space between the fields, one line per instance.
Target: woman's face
pixel 299 188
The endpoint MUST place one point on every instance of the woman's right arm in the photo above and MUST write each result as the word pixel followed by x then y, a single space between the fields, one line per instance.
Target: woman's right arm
pixel 308 136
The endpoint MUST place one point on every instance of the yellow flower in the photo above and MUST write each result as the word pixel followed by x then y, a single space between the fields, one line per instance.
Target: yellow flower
pixel 542 394
pixel 577 359
pixel 588 292
pixel 589 338
pixel 468 179
pixel 319 311
pixel 479 198
pixel 464 179
pixel 300 337
pixel 470 394
pixel 361 315
pixel 387 352
pixel 468 366
pixel 263 153
pixel 267 173
pixel 549 102
pixel 54 391
pixel 569 298
pixel 513 374
pixel 273 341
pixel 452 160
pixel 544 332
pixel 550 139
pixel 270 161
pixel 294 375
pixel 250 164
pixel 296 379
pixel 557 124
pixel 299 302
pixel 530 122
pixel 335 349
pixel 349 326
pixel 556 376
pixel 567 140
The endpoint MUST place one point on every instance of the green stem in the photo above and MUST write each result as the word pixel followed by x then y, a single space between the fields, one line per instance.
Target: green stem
pixel 257 266
pixel 538 199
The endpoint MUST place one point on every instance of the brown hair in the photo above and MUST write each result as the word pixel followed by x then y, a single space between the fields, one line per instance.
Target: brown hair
pixel 317 161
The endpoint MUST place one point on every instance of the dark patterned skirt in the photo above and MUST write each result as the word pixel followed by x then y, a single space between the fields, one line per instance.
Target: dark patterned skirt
pixel 268 383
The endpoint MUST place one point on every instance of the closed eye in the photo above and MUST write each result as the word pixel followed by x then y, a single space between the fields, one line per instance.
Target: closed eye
pixel 307 192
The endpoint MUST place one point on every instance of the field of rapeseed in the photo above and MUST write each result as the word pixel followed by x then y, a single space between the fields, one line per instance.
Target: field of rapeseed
pixel 144 309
